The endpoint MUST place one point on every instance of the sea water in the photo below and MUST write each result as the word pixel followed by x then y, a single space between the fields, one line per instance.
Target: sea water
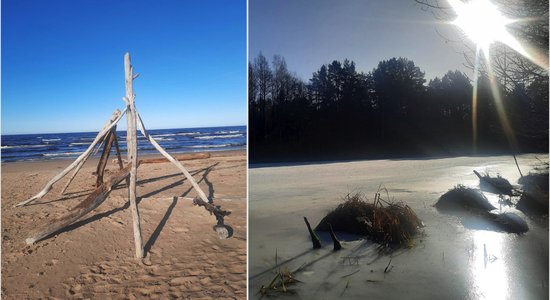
pixel 24 147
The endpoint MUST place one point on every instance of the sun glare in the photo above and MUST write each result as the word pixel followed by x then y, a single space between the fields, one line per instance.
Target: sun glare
pixel 481 21
pixel 484 24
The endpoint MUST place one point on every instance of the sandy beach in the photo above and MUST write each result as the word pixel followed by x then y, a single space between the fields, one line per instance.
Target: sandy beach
pixel 451 259
pixel 94 258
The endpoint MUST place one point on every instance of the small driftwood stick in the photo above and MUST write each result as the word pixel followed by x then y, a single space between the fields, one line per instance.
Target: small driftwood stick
pixel 189 156
pixel 213 209
pixel 517 165
pixel 314 238
pixel 131 142
pixel 117 115
pixel 171 159
pixel 91 202
pixel 105 156
pixel 337 245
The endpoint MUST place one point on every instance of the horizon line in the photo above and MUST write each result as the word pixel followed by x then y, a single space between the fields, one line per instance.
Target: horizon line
pixel 60 132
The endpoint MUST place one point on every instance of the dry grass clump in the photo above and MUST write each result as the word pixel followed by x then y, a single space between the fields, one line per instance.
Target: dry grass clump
pixel 463 198
pixel 535 185
pixel 534 198
pixel 497 185
pixel 280 283
pixel 390 224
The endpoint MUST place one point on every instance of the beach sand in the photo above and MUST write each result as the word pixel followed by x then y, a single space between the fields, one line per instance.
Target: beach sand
pixel 94 258
pixel 453 259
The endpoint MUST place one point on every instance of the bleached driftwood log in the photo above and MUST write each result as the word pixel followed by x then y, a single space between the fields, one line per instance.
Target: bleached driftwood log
pixel 131 144
pixel 171 159
pixel 117 115
pixel 190 156
pixel 91 202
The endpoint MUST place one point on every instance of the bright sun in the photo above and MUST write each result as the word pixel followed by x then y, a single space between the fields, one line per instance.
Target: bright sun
pixel 484 24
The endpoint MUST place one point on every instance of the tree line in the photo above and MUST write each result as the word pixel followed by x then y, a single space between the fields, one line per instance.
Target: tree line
pixel 391 111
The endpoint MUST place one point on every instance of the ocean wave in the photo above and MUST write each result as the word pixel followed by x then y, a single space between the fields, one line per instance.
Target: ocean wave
pixel 188 133
pixel 87 139
pixel 210 146
pixel 161 135
pixel 51 140
pixel 209 137
pixel 79 143
pixel 23 146
pixel 61 154
pixel 227 132
pixel 217 146
pixel 164 139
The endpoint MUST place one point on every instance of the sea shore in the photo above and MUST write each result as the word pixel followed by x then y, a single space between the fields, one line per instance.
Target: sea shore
pixel 94 257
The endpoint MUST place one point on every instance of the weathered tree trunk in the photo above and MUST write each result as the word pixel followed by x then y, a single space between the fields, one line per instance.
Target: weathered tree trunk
pixel 131 144
pixel 91 202
pixel 117 115
pixel 105 156
pixel 171 159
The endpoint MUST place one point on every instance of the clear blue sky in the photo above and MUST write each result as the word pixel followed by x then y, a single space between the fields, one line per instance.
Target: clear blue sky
pixel 309 34
pixel 63 67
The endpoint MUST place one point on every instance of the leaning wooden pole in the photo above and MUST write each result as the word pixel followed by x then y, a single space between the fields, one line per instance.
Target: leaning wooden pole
pixel 100 170
pixel 117 115
pixel 78 167
pixel 131 144
pixel 199 191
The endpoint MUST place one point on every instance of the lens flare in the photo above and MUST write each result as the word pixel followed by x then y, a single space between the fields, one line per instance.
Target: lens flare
pixel 484 24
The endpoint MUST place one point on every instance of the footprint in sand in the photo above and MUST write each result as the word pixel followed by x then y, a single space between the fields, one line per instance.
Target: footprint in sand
pixel 183 280
pixel 180 230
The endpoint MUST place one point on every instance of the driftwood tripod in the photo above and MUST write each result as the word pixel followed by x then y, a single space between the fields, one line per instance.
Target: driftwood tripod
pixel 107 136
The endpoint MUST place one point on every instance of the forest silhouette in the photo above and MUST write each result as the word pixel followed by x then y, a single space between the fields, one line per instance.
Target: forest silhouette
pixel 389 112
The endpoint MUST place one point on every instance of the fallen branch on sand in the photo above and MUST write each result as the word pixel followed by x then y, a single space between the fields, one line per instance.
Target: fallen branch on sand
pixel 222 230
pixel 91 202
pixel 212 209
pixel 190 156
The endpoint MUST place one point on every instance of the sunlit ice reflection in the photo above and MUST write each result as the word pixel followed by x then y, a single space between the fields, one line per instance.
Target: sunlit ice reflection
pixel 488 269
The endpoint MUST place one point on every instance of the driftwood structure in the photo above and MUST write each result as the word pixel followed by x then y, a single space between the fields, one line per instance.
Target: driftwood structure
pixel 107 138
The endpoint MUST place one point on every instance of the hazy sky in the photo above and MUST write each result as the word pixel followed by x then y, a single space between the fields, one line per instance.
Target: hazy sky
pixel 63 67
pixel 309 34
